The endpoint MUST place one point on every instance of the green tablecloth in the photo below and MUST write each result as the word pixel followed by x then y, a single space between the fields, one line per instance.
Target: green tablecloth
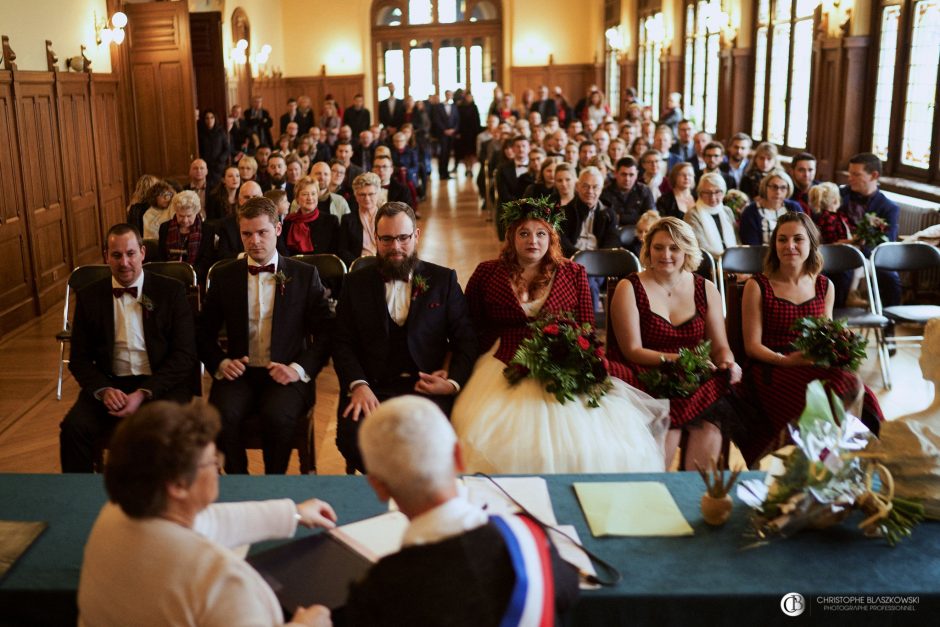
pixel 708 578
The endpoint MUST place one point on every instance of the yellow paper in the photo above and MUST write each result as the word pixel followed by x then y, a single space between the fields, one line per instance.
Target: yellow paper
pixel 642 508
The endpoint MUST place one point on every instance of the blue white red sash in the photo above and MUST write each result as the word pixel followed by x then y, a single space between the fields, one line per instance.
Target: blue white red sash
pixel 532 603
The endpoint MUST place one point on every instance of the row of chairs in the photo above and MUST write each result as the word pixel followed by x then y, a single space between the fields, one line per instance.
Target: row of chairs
pixel 892 256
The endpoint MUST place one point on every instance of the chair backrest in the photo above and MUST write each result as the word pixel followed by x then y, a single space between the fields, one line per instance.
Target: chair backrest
pixel 362 262
pixel 906 256
pixel 179 270
pixel 79 278
pixel 218 264
pixel 152 246
pixel 328 265
pixel 743 259
pixel 607 262
pixel 627 234
pixel 707 267
pixel 841 257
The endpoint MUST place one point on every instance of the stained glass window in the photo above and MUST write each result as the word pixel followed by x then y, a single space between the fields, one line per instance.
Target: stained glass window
pixel 651 36
pixel 700 88
pixel 920 100
pixel 884 83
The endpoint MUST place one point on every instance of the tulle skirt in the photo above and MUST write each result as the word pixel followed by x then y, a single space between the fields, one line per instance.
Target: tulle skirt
pixel 523 429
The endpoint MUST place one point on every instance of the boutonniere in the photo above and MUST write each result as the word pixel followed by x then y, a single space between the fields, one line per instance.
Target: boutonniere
pixel 282 280
pixel 419 285
pixel 147 304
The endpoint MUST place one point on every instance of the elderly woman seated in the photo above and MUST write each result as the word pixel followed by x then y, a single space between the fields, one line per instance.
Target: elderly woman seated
pixel 186 237
pixel 710 219
pixel 157 553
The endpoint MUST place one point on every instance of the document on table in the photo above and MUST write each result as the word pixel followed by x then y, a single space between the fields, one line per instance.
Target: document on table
pixel 531 492
pixel 15 537
pixel 641 508
pixel 375 537
pixel 569 550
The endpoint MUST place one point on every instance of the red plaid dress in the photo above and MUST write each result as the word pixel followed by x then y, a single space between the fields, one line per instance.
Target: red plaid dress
pixel 779 392
pixel 659 334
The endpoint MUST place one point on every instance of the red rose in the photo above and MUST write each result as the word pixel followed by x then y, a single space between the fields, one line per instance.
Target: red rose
pixel 550 329
pixel 583 343
pixel 599 352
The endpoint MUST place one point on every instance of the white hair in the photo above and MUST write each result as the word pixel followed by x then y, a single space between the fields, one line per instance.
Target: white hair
pixel 408 444
pixel 715 179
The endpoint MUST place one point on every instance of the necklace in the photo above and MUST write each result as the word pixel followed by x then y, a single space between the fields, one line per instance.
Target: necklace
pixel 667 288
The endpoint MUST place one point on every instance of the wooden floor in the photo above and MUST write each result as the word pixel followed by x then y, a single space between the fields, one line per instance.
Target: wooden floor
pixel 454 233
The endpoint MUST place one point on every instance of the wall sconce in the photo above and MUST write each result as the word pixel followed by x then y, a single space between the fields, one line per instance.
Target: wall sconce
pixel 113 34
pixel 655 29
pixel 239 54
pixel 837 14
pixel 617 39
pixel 262 57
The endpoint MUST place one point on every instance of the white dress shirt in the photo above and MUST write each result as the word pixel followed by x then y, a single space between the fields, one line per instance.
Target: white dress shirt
pixel 449 519
pixel 130 348
pixel 398 300
pixel 261 290
pixel 587 240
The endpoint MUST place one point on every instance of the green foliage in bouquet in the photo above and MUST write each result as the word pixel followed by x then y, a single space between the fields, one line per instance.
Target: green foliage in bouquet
pixel 829 343
pixel 681 377
pixel 871 230
pixel 565 356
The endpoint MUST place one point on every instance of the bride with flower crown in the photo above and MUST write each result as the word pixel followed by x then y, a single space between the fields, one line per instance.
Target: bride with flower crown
pixel 522 428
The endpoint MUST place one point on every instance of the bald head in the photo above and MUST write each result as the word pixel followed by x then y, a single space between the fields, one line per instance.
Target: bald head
pixel 198 170
pixel 248 190
pixel 321 173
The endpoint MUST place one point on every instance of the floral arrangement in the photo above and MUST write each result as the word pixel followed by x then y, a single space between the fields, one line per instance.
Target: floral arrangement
pixel 532 209
pixel 681 377
pixel 147 304
pixel 419 285
pixel 826 475
pixel 829 343
pixel 736 200
pixel 282 280
pixel 564 355
pixel 871 230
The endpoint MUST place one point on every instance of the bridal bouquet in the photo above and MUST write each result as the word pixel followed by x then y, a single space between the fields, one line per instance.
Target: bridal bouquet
pixel 826 476
pixel 682 377
pixel 565 356
pixel 871 230
pixel 829 343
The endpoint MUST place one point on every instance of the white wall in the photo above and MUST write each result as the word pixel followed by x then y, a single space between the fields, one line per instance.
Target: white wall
pixel 67 23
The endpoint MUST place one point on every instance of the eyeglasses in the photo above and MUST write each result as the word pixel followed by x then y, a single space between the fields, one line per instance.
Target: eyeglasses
pixel 218 461
pixel 401 239
pixel 777 188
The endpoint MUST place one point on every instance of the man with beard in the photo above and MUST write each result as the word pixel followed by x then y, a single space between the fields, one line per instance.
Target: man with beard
pixel 277 174
pixel 396 323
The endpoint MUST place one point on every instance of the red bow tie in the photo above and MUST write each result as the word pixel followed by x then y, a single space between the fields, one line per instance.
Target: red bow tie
pixel 256 270
pixel 121 291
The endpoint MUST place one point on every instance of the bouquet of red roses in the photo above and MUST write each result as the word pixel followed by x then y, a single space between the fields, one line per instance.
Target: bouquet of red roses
pixel 565 356
pixel 829 343
pixel 871 230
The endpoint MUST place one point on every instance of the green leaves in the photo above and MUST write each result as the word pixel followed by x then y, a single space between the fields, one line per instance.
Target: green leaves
pixel 682 377
pixel 829 343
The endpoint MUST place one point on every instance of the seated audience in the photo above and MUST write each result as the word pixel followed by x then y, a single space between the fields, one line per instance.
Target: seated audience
pixel 713 158
pixel 309 229
pixel 765 160
pixel 739 149
pixel 711 221
pixel 327 201
pixel 566 179
pixel 626 197
pixel 160 550
pixel 140 201
pixel 685 143
pixel 158 210
pixel 681 195
pixel 186 237
pixel 223 199
pixel 513 176
pixel 198 171
pixel 394 191
pixel 759 217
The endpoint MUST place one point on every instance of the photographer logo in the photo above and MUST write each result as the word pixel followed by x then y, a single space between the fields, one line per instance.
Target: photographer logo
pixel 793 604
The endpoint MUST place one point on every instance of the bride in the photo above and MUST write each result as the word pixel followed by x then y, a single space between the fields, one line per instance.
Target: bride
pixel 522 428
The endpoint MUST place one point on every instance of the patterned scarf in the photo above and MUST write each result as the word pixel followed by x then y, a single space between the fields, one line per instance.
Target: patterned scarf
pixel 298 237
pixel 183 247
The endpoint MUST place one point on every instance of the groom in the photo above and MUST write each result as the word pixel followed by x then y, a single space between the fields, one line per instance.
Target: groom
pixel 401 328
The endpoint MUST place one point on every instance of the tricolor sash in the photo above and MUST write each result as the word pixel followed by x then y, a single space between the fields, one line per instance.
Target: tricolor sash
pixel 532 603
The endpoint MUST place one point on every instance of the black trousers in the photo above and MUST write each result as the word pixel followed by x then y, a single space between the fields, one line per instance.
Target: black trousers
pixel 278 408
pixel 88 424
pixel 446 144
pixel 347 429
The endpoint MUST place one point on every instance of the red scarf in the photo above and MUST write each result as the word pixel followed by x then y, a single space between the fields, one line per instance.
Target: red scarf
pixel 298 236
pixel 180 247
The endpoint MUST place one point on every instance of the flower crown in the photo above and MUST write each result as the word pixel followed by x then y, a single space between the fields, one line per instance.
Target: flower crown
pixel 532 209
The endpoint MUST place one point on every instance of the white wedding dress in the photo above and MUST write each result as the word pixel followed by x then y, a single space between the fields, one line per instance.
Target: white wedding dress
pixel 521 428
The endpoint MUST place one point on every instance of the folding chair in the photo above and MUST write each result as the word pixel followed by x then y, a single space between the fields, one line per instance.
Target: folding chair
pixel 738 260
pixel 610 263
pixel 362 262
pixel 905 257
pixel 331 270
pixel 847 258
pixel 182 272
pixel 79 278
pixel 707 267
pixel 627 234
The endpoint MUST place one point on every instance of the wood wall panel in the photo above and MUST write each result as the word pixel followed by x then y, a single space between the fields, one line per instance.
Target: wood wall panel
pixel 208 69
pixel 275 92
pixel 109 151
pixel 17 288
pixel 735 92
pixel 574 79
pixel 42 182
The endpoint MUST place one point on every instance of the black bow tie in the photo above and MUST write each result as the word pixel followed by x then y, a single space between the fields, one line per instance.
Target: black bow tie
pixel 256 270
pixel 121 291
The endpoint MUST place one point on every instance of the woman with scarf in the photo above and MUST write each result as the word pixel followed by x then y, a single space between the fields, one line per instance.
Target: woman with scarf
pixel 308 229
pixel 710 219
pixel 185 237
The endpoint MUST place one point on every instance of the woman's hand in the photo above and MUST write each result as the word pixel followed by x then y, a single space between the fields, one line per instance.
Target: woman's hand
pixel 794 358
pixel 734 370
pixel 313 616
pixel 316 513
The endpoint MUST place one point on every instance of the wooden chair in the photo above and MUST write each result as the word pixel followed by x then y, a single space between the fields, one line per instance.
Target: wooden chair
pixel 79 278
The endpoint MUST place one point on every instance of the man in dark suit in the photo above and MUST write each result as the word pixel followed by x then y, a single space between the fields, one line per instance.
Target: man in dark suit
pixel 625 196
pixel 412 455
pixel 364 150
pixel 396 323
pixel 132 342
pixel 230 244
pixel 392 112
pixel 357 117
pixel 270 306
pixel 685 144
pixel 395 191
pixel 292 115
pixel 444 122
pixel 258 124
pixel 512 178
pixel 545 105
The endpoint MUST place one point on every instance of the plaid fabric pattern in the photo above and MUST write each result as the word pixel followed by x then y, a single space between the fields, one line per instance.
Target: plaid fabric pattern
pixel 659 334
pixel 833 226
pixel 183 248
pixel 496 313
pixel 779 393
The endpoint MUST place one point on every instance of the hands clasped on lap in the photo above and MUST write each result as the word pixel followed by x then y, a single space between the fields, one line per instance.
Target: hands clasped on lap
pixel 231 369
pixel 362 401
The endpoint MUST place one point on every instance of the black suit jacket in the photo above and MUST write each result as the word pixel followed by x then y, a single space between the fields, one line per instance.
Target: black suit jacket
pixel 509 186
pixel 438 324
pixel 605 226
pixel 398 192
pixel 168 334
pixel 359 119
pixel 350 237
pixel 630 206
pixel 440 121
pixel 300 311
pixel 230 240
pixel 546 108
pixel 393 120
pixel 324 234
pixel 259 125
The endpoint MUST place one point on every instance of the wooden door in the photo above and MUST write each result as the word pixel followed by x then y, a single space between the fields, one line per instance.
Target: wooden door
pixel 161 74
pixel 17 302
pixel 208 68
pixel 105 113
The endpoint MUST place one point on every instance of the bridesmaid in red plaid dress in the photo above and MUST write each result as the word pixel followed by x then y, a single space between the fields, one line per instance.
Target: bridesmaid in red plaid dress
pixel 666 307
pixel 790 288
pixel 522 428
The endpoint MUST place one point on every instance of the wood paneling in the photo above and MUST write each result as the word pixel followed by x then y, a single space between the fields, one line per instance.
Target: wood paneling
pixel 276 91
pixel 109 169
pixel 208 69
pixel 574 79
pixel 161 74
pixel 672 69
pixel 735 89
pixel 38 130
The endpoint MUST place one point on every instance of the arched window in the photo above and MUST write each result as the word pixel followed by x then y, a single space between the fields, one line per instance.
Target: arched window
pixel 906 124
pixel 651 37
pixel 783 53
pixel 702 40
pixel 426 47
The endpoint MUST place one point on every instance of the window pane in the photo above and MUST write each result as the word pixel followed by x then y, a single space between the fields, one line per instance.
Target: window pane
pixel 698 82
pixel 388 16
pixel 484 10
pixel 394 61
pixel 799 83
pixel 450 11
pixel 921 84
pixel 776 98
pixel 763 11
pixel 884 86
pixel 689 71
pixel 419 11
pixel 782 10
pixel 613 82
pixel 451 61
pixel 805 8
pixel 760 82
pixel 421 72
pixel 711 85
